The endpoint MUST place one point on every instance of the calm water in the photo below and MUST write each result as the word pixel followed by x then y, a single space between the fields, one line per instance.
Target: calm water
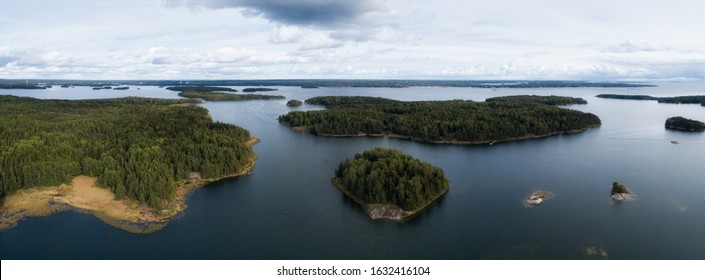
pixel 287 209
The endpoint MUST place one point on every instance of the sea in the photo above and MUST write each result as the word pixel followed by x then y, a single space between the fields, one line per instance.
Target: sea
pixel 288 209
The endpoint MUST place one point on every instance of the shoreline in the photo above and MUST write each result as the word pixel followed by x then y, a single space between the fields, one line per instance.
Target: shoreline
pixel 396 213
pixel 83 196
pixel 452 142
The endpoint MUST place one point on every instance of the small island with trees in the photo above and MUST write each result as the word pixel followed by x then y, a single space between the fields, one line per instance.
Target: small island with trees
pixel 683 124
pixel 258 89
pixel 294 103
pixel 389 184
pixel 454 121
pixel 128 161
pixel 692 99
pixel 209 93
pixel 620 192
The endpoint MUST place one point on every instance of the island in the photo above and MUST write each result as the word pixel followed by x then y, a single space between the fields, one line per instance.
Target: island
pixel 693 99
pixel 620 192
pixel 128 161
pixel 536 198
pixel 121 88
pixel 683 124
pixel 389 184
pixel 201 88
pixel 258 89
pixel 294 103
pixel 211 93
pixel 454 122
pixel 222 96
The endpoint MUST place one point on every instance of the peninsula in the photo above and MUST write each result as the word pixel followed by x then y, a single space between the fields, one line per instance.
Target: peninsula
pixel 389 184
pixel 453 122
pixel 128 161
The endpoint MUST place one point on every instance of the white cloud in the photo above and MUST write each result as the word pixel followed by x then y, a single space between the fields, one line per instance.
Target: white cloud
pixel 502 39
pixel 284 34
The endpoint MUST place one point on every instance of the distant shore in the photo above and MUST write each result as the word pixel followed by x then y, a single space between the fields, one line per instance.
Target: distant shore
pixel 84 196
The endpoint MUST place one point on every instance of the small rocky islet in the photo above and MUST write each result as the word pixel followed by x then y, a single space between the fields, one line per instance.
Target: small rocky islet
pixel 620 192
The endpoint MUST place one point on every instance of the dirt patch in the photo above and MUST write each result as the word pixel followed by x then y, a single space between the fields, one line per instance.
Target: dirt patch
pixel 84 196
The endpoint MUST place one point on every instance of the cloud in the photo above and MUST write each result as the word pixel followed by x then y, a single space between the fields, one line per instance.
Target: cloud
pixel 38 57
pixel 285 34
pixel 629 47
pixel 320 42
pixel 318 13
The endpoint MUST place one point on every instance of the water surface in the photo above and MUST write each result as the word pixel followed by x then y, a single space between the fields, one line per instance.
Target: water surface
pixel 287 208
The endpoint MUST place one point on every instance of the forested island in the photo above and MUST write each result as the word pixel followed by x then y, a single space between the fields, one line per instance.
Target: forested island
pixel 456 121
pixel 222 96
pixel 389 184
pixel 258 89
pixel 683 124
pixel 201 88
pixel 693 99
pixel 294 103
pixel 144 154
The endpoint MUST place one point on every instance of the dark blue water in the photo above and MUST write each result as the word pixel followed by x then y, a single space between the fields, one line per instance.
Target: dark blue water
pixel 287 208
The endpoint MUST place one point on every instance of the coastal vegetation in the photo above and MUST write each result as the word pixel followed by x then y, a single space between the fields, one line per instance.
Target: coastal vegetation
pixel 201 88
pixel 390 184
pixel 693 99
pixel 294 103
pixel 455 121
pixel 139 149
pixel 222 96
pixel 620 192
pixel 210 93
pixel 258 89
pixel 681 123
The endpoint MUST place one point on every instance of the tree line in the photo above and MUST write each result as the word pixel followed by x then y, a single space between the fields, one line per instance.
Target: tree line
pixel 692 99
pixel 389 176
pixel 137 147
pixel 443 121
pixel 222 96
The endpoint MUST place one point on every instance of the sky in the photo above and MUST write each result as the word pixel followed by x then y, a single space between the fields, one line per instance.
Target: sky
pixel 595 40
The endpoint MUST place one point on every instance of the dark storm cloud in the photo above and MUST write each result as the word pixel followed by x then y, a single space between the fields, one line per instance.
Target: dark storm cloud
pixel 319 13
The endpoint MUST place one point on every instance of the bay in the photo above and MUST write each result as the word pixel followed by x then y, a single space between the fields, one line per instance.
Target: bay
pixel 287 208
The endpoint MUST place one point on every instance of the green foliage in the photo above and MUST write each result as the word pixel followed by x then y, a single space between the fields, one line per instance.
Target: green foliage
pixel 629 97
pixel 442 121
pixel 694 99
pixel 136 147
pixel 341 101
pixel 201 88
pixel 294 103
pixel 389 176
pixel 548 100
pixel 258 89
pixel 681 123
pixel 619 188
pixel 221 96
